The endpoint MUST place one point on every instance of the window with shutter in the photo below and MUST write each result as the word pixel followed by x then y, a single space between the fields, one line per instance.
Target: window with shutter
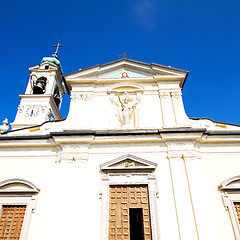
pixel 11 222
pixel 237 208
pixel 17 202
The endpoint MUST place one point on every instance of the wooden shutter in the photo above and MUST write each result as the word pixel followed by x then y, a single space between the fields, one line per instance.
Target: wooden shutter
pixel 237 208
pixel 11 222
pixel 121 199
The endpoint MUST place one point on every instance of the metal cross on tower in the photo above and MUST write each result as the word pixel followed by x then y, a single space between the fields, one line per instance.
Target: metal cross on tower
pixel 57 46
pixel 124 55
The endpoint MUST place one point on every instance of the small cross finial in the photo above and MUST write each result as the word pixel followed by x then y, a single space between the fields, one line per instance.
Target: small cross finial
pixel 124 55
pixel 56 52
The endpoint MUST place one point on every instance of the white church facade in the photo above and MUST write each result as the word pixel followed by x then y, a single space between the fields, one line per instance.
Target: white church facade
pixel 127 162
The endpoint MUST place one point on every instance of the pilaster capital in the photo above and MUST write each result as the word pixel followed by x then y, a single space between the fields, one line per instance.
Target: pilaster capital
pixel 191 155
pixel 176 94
pixel 175 155
pixel 164 94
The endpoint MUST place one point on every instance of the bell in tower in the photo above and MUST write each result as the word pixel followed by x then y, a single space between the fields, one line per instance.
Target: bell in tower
pixel 56 96
pixel 39 86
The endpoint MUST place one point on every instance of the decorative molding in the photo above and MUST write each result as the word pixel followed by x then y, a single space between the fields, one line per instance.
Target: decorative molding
pixel 228 184
pixel 81 96
pixel 44 108
pixel 126 86
pixel 113 99
pixel 20 108
pixel 5 186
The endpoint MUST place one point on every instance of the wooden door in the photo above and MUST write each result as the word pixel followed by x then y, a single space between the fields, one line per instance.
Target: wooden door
pixel 11 222
pixel 122 200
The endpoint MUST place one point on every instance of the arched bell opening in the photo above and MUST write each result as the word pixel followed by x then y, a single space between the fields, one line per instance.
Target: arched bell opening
pixel 57 96
pixel 39 86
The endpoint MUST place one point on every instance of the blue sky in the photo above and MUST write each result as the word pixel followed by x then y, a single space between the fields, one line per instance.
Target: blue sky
pixel 202 37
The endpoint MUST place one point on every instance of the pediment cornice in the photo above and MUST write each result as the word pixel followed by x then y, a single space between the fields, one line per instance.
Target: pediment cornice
pixel 128 162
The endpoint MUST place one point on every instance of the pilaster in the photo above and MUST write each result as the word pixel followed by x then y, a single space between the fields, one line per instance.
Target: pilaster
pixel 181 117
pixel 167 109
pixel 182 196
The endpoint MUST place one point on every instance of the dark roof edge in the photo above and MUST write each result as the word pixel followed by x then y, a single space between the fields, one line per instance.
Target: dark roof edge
pixel 127 132
pixel 106 133
pixel 46 136
pixel 123 132
pixel 223 132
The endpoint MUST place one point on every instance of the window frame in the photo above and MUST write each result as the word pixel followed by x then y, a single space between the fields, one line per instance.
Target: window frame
pixel 23 196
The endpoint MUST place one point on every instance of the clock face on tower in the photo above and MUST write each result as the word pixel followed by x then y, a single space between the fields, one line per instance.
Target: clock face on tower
pixel 32 111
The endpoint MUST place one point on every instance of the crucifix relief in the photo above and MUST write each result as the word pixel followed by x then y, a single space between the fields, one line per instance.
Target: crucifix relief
pixel 126 109
pixel 128 105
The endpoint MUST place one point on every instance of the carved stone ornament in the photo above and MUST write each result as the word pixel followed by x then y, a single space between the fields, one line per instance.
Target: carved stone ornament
pixel 164 95
pixel 44 108
pixel 129 164
pixel 20 108
pixel 113 99
pixel 176 94
pixel 127 103
pixel 81 96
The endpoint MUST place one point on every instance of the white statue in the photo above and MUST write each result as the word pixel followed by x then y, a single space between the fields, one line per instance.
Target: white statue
pixel 127 105
pixel 4 128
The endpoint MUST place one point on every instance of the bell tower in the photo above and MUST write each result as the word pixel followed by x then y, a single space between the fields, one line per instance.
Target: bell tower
pixel 43 96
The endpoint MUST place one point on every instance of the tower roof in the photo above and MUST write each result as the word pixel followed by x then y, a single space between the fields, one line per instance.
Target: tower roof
pixel 54 59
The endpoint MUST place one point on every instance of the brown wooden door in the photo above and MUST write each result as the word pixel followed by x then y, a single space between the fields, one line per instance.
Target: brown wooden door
pixel 123 201
pixel 11 222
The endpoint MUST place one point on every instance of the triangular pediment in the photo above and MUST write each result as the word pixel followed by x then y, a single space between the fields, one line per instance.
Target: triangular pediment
pixel 128 162
pixel 134 69
pixel 44 66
